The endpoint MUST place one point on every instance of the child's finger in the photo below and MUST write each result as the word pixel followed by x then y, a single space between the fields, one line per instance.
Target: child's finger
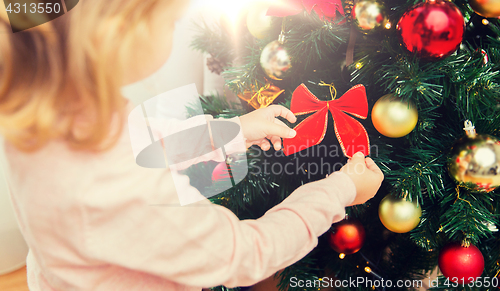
pixel 370 164
pixel 282 111
pixel 276 120
pixel 357 157
pixel 265 145
pixel 275 129
pixel 276 141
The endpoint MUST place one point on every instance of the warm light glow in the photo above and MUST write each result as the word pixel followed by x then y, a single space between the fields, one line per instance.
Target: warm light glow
pixel 368 269
pixel 342 256
pixel 232 10
pixel 388 25
pixel 485 21
pixel 359 65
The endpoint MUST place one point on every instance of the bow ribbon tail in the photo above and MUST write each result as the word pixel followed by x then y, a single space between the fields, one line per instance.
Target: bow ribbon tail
pixel 351 134
pixel 310 132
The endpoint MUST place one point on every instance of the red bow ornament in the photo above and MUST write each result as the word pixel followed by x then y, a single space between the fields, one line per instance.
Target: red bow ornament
pixel 351 134
pixel 324 8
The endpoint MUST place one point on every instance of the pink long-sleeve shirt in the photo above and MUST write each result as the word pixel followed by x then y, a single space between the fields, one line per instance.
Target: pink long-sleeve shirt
pixel 99 222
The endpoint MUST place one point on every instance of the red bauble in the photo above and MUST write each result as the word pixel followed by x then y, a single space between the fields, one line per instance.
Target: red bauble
pixel 326 9
pixel 432 29
pixel 347 236
pixel 220 172
pixel 460 264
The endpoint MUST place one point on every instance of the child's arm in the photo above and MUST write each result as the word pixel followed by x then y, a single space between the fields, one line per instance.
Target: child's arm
pixel 207 245
pixel 254 128
pixel 135 222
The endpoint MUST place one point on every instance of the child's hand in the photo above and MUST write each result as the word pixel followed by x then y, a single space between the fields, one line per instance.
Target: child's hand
pixel 366 175
pixel 260 125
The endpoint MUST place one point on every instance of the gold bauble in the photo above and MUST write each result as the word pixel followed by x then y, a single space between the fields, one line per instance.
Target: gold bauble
pixel 369 15
pixel 398 214
pixel 474 162
pixel 486 8
pixel 275 60
pixel 258 22
pixel 394 118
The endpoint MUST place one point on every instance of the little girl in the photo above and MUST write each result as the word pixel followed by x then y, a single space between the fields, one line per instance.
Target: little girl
pixel 82 202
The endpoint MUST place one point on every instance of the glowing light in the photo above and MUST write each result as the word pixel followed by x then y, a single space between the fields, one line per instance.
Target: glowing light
pixel 230 9
pixel 359 65
pixel 342 256
pixel 368 269
pixel 485 21
pixel 388 25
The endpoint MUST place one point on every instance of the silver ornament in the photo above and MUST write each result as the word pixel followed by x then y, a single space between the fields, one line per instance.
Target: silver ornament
pixel 275 60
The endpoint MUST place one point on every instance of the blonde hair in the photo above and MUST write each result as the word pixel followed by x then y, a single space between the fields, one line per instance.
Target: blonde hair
pixel 62 80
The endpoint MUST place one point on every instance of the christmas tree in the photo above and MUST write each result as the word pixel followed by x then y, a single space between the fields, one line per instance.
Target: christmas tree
pixel 413 84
